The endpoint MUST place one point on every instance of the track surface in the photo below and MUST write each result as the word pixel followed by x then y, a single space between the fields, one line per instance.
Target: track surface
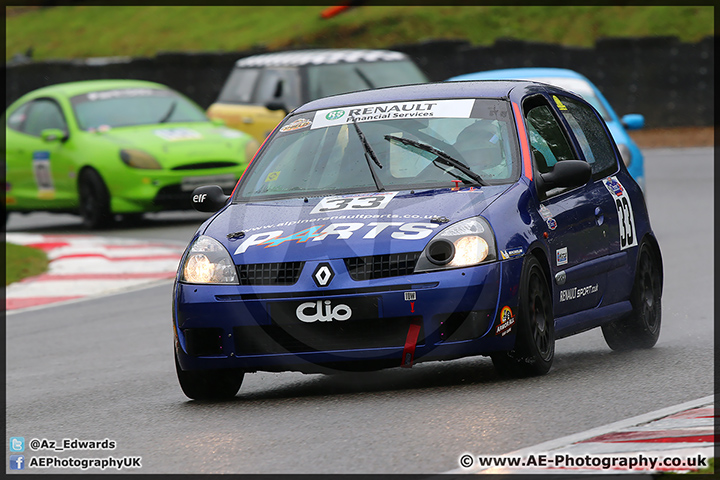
pixel 103 368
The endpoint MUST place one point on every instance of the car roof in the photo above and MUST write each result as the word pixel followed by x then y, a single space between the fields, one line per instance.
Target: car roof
pixel 530 72
pixel 408 93
pixel 319 57
pixel 71 89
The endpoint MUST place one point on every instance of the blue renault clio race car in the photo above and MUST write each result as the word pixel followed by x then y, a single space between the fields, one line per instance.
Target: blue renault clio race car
pixel 427 222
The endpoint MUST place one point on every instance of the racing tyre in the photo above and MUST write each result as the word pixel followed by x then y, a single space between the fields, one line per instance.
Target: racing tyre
pixel 641 328
pixel 94 200
pixel 535 343
pixel 209 384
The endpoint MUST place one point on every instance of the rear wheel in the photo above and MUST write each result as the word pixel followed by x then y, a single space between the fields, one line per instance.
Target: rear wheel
pixel 209 384
pixel 94 200
pixel 641 328
pixel 535 343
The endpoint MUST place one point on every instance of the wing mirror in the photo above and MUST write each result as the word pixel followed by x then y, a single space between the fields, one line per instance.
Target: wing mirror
pixel 209 198
pixel 564 174
pixel 53 135
pixel 633 121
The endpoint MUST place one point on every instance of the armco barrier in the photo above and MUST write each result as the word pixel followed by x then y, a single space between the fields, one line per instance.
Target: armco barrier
pixel 668 81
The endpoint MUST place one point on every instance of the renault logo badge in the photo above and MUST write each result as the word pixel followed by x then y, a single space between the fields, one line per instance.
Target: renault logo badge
pixel 323 275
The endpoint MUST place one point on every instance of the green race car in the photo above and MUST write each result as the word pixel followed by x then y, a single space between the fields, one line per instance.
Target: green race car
pixel 106 147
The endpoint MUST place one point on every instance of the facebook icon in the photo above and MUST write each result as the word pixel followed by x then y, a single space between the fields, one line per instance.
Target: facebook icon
pixel 17 462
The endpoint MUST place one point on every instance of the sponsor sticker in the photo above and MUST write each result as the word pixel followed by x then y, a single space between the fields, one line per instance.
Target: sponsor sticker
pixel 545 212
pixel 43 174
pixel 272 176
pixel 176 134
pixel 561 256
pixel 507 320
pixel 410 296
pixel 514 252
pixel 339 231
pixel 460 108
pixel 575 293
pixel 559 104
pixel 296 125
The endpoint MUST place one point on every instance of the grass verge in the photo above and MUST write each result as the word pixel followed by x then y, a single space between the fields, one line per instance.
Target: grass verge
pixel 22 262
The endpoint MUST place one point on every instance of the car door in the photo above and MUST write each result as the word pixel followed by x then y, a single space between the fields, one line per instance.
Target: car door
pixel 40 172
pixel 572 218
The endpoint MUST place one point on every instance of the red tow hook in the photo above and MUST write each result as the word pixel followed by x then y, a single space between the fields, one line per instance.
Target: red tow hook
pixel 410 342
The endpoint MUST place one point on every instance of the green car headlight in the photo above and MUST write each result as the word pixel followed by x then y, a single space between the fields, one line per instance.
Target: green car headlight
pixel 464 244
pixel 208 262
pixel 139 159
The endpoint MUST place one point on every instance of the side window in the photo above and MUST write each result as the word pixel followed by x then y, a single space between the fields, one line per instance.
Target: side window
pixel 42 114
pixel 18 117
pixel 279 85
pixel 547 140
pixel 239 86
pixel 591 136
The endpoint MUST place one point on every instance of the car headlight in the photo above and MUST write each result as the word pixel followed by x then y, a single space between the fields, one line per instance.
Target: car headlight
pixel 139 159
pixel 625 154
pixel 466 243
pixel 208 262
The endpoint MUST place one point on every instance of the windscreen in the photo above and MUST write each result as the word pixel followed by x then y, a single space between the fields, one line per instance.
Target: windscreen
pixel 386 146
pixel 333 79
pixel 133 106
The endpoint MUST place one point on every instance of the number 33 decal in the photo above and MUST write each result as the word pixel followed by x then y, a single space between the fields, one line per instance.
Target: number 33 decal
pixel 370 202
pixel 626 219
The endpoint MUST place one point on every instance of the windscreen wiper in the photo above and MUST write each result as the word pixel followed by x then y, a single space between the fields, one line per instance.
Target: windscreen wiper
pixel 442 157
pixel 169 113
pixel 369 153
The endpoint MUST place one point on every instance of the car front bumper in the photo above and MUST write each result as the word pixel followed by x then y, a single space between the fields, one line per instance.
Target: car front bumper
pixel 438 315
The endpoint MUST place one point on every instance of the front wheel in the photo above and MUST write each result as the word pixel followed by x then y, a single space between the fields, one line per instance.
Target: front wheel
pixel 209 384
pixel 535 343
pixel 641 328
pixel 94 200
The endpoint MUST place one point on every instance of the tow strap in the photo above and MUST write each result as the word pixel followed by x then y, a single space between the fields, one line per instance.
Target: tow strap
pixel 410 342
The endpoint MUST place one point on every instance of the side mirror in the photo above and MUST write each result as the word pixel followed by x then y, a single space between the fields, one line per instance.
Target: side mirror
pixel 633 121
pixel 53 135
pixel 276 105
pixel 565 174
pixel 209 198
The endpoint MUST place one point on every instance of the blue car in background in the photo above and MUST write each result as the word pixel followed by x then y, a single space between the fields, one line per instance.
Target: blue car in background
pixel 579 84
pixel 417 223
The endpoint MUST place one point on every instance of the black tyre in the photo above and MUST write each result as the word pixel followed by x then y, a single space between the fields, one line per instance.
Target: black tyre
pixel 94 200
pixel 641 328
pixel 209 384
pixel 535 342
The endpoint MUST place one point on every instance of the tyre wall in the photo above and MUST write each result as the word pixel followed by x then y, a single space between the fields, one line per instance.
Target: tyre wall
pixel 670 82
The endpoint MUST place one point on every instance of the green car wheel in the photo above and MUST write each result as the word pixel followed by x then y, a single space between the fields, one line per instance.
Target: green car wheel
pixel 94 200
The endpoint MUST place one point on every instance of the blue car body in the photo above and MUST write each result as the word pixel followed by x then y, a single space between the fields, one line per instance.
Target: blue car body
pixel 618 125
pixel 343 281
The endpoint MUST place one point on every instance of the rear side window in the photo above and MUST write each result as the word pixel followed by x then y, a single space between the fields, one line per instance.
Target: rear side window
pixel 594 142
pixel 239 86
